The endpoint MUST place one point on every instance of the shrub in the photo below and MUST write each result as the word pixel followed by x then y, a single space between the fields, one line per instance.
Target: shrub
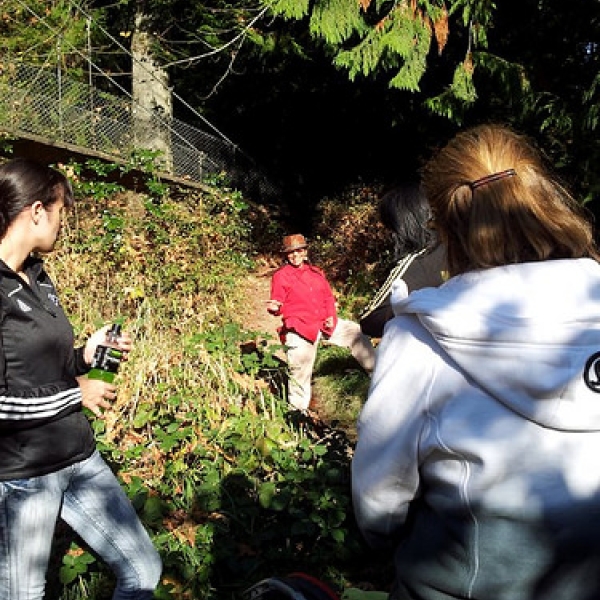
pixel 231 486
pixel 352 246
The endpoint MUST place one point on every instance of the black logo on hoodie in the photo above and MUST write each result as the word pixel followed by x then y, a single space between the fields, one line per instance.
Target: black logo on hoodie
pixel 591 374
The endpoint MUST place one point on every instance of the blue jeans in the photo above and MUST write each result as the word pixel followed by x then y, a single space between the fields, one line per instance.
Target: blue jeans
pixel 90 499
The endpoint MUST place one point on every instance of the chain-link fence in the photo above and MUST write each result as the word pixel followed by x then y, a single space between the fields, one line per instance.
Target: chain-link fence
pixel 46 103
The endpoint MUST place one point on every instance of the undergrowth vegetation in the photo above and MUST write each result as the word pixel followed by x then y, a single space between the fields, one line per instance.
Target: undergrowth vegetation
pixel 231 485
pixel 352 246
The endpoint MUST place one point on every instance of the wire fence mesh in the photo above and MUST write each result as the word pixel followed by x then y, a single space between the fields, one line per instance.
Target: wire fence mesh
pixel 47 103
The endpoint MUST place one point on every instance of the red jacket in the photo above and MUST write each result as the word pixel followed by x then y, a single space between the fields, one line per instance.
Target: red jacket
pixel 306 300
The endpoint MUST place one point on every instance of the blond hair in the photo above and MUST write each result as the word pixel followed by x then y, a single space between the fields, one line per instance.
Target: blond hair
pixel 494 203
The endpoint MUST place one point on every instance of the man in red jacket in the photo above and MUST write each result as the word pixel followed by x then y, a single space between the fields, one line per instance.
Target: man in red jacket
pixel 302 296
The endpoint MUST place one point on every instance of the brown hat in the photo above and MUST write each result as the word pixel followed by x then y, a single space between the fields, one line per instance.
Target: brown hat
pixel 293 242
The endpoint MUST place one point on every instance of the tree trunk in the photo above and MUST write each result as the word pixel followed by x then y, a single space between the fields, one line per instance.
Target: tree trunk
pixel 152 99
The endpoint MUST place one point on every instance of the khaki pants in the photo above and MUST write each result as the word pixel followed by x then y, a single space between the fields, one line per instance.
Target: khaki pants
pixel 301 355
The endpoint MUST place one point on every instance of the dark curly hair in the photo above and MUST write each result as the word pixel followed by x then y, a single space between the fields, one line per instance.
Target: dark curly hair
pixel 404 210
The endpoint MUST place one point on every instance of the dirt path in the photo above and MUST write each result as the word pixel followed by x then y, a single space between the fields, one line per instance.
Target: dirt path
pixel 257 287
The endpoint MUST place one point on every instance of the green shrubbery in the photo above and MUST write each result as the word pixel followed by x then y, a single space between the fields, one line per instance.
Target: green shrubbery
pixel 352 245
pixel 232 487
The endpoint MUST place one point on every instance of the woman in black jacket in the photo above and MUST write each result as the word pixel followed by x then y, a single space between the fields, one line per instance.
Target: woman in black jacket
pixel 49 465
pixel 420 259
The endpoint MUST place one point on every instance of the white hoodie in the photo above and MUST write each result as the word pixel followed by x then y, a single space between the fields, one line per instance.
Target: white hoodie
pixel 483 419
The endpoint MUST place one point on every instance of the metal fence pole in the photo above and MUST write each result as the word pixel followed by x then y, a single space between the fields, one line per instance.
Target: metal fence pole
pixel 59 82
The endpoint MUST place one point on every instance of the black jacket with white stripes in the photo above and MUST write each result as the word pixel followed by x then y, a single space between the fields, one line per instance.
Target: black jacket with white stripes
pixel 42 426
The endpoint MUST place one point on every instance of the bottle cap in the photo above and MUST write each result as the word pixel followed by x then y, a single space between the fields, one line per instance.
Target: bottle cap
pixel 114 332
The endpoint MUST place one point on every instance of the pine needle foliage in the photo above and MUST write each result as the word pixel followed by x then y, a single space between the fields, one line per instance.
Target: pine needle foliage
pixel 290 9
pixel 337 21
pixel 399 39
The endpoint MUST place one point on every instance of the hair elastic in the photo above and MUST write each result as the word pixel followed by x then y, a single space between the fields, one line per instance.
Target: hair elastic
pixel 491 178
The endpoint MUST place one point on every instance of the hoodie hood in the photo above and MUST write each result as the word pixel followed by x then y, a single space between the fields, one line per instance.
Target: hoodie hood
pixel 527 334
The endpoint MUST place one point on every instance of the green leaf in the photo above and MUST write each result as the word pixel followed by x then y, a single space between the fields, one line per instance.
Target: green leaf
pixel 266 493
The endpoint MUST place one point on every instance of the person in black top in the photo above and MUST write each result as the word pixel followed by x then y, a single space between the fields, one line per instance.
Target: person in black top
pixel 49 465
pixel 420 259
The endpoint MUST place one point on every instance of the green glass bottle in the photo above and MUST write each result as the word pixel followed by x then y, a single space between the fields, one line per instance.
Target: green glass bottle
pixel 107 358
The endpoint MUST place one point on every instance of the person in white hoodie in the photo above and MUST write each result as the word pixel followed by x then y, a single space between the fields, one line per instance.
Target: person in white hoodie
pixel 478 452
